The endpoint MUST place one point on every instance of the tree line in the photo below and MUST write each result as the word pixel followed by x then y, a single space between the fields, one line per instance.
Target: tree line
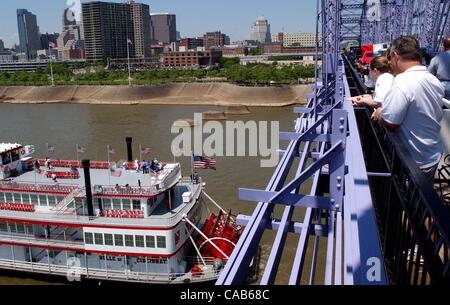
pixel 229 70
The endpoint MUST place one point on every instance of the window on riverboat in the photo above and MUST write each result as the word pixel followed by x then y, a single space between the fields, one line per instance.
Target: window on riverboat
pixel 20 228
pixel 17 198
pixel 129 241
pixel 34 199
pixel 88 238
pixel 43 200
pixel 12 227
pixel 59 199
pixel 136 205
pixel 118 240
pixel 107 204
pixel 116 204
pixel 98 238
pixel 109 240
pixel 150 241
pixel 126 203
pixel 15 155
pixel 161 241
pixel 51 201
pixel 6 159
pixel 8 197
pixel 2 197
pixel 30 229
pixel 140 241
pixel 26 198
pixel 3 227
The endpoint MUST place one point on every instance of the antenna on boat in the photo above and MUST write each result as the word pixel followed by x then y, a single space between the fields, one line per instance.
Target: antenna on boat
pixel 87 181
pixel 129 141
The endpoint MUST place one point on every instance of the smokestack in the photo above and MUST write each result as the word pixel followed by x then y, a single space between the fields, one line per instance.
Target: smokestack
pixel 87 181
pixel 130 149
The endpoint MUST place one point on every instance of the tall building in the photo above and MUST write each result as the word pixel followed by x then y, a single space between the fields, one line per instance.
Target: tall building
pixel 215 40
pixel 296 39
pixel 28 33
pixel 70 43
pixel 109 26
pixel 2 45
pixel 142 29
pixel 164 27
pixel 260 30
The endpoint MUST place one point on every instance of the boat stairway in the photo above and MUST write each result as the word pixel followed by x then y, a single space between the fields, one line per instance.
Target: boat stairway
pixel 66 206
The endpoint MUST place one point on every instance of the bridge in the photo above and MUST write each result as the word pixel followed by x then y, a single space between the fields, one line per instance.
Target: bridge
pixel 346 188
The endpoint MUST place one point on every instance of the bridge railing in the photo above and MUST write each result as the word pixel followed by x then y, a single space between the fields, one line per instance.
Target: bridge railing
pixel 413 221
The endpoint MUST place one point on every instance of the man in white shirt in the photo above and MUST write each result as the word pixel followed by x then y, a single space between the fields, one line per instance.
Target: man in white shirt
pixel 414 106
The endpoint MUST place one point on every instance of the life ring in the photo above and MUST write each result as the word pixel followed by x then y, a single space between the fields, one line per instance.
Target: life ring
pixel 22 152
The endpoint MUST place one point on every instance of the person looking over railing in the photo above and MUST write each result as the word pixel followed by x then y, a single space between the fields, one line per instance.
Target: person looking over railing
pixel 440 67
pixel 380 73
pixel 413 107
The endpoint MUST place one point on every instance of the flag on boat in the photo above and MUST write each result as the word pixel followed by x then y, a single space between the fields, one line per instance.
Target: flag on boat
pixel 145 150
pixel 204 163
pixel 111 150
pixel 50 148
pixel 81 149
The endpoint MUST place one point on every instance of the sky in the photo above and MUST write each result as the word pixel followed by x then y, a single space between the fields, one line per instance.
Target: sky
pixel 194 17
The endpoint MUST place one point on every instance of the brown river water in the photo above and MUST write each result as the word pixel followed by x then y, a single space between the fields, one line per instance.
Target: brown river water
pixel 96 126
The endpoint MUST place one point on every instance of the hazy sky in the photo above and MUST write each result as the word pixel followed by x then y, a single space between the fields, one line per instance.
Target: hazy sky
pixel 194 17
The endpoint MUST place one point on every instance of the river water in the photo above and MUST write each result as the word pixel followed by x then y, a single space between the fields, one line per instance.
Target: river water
pixel 96 126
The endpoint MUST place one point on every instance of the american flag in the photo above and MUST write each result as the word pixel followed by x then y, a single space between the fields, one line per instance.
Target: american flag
pixel 111 150
pixel 50 148
pixel 145 150
pixel 81 149
pixel 204 163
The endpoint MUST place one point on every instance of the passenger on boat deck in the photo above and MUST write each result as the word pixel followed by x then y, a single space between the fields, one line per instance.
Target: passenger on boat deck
pixel 136 165
pixel 145 167
pixel 380 73
pixel 54 177
pixel 47 163
pixel 36 165
pixel 155 166
pixel 128 187
pixel 118 189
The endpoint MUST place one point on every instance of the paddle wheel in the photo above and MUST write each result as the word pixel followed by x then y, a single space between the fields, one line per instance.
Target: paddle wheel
pixel 223 231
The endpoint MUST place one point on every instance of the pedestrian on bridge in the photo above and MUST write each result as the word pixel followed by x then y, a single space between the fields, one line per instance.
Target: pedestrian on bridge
pixel 440 67
pixel 413 107
pixel 380 73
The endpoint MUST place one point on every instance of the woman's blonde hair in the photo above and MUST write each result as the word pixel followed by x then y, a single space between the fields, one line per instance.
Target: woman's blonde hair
pixel 381 63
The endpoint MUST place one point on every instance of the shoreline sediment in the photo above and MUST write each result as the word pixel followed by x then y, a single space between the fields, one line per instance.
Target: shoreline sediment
pixel 208 94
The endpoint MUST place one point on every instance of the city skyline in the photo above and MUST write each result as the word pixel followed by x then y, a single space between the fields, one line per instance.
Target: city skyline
pixel 224 17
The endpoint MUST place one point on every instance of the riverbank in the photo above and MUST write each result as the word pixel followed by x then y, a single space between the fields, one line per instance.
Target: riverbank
pixel 214 94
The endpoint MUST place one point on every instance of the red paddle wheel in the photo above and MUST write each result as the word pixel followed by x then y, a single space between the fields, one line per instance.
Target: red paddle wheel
pixel 223 231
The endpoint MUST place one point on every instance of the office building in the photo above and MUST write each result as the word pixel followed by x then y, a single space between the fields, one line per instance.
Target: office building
pixel 108 27
pixel 260 30
pixel 29 38
pixel 163 27
pixel 296 39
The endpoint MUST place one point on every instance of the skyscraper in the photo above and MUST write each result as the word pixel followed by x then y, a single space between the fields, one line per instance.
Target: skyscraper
pixel 260 30
pixel 164 27
pixel 109 26
pixel 70 43
pixel 142 29
pixel 29 37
